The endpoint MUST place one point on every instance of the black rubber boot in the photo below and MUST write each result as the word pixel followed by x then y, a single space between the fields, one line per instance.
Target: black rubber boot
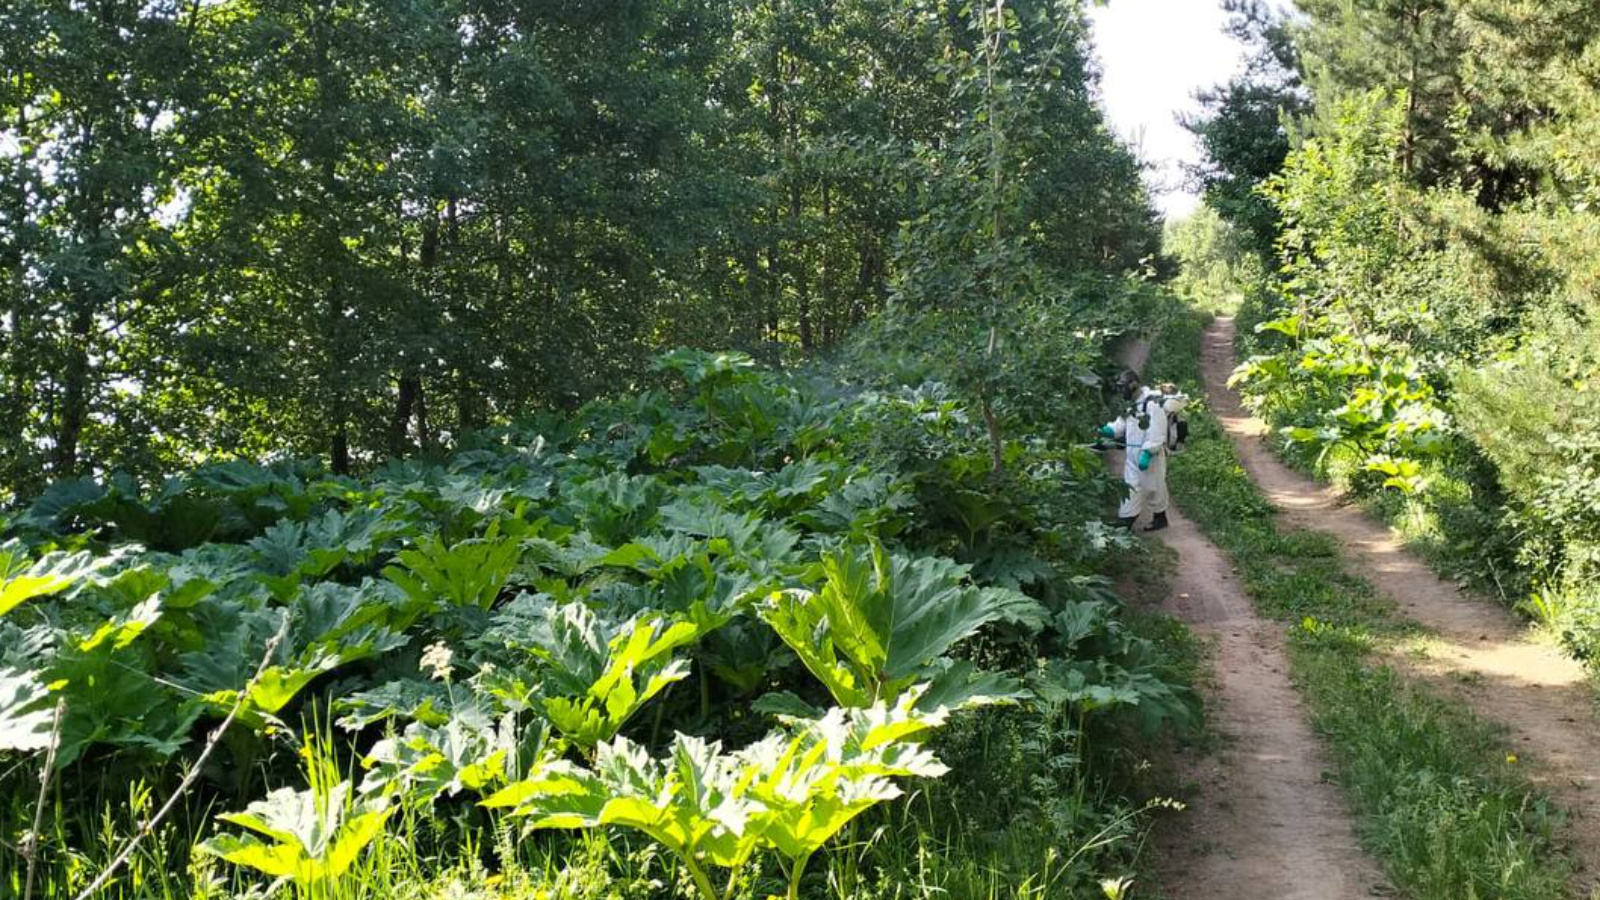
pixel 1157 522
pixel 1125 523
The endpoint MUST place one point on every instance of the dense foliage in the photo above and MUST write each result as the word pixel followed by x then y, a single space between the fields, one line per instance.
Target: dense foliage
pixel 1243 127
pixel 723 614
pixel 1217 262
pixel 1431 335
pixel 362 229
pixel 363 538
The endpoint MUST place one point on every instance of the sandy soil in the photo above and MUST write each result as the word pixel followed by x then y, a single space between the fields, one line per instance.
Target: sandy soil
pixel 1262 822
pixel 1481 652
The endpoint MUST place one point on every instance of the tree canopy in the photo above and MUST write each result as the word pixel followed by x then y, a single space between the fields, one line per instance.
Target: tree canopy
pixel 362 228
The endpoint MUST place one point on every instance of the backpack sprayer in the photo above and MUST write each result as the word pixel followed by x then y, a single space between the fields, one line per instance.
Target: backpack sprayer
pixel 1173 402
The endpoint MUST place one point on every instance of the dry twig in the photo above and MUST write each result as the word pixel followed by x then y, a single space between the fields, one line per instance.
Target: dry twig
pixel 30 847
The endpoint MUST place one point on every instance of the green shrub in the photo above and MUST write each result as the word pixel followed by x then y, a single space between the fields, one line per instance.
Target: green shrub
pixel 1216 265
pixel 1536 416
pixel 1433 357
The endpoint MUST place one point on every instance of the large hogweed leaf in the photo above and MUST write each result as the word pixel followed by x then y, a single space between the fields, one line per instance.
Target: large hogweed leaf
pixel 741 409
pixel 113 701
pixel 415 699
pixel 594 673
pixel 171 517
pixel 782 491
pixel 616 507
pixel 330 625
pixel 123 628
pixel 61 501
pixel 731 532
pixel 261 495
pixel 1260 371
pixel 1101 685
pixel 470 751
pixel 684 580
pixel 744 653
pixel 469 573
pixel 279 684
pixel 1289 327
pixel 804 626
pixel 701 367
pixel 23 579
pixel 25 712
pixel 880 622
pixel 693 802
pixel 865 504
pixel 789 793
pixel 1370 394
pixel 291 552
pixel 308 836
pixel 814 782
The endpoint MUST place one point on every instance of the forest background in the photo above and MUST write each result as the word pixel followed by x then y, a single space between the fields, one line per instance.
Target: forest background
pixel 358 230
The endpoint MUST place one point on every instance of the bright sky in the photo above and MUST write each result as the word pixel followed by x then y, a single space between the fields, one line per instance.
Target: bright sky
pixel 1155 55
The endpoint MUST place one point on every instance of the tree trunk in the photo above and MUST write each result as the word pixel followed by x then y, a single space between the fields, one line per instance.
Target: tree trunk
pixel 752 323
pixel 801 285
pixel 332 247
pixel 339 450
pixel 424 431
pixel 466 408
pixel 869 280
pixel 75 392
pixel 338 403
pixel 992 39
pixel 406 400
pixel 1408 140
pixel 408 395
pixel 16 367
pixel 991 424
pixel 774 284
pixel 828 315
pixel 86 299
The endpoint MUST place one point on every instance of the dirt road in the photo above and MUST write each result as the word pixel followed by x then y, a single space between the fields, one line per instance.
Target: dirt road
pixel 1262 823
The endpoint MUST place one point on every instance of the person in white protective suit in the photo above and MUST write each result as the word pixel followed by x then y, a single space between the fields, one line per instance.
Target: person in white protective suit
pixel 1144 432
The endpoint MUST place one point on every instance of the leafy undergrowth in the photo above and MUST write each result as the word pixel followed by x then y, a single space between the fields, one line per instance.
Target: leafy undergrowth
pixel 757 634
pixel 1440 800
pixel 1504 503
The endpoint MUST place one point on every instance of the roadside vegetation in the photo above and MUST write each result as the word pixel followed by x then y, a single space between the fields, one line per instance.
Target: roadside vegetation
pixel 1216 264
pixel 724 625
pixel 1418 181
pixel 1439 798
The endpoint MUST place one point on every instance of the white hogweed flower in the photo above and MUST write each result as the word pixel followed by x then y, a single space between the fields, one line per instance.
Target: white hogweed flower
pixel 437 658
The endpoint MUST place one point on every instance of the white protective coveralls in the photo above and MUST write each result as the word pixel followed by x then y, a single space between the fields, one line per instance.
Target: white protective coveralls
pixel 1144 428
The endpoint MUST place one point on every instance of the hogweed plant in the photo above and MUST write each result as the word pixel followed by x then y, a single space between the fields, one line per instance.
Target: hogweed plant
pixel 787 794
pixel 493 626
pixel 310 837
pixel 881 623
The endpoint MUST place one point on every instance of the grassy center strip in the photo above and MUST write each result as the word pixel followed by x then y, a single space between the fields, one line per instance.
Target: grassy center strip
pixel 1440 799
